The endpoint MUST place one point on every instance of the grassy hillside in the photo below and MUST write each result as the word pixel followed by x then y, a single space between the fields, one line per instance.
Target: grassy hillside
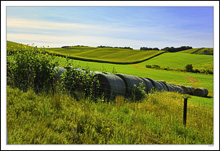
pixel 201 51
pixel 59 119
pixel 180 60
pixel 116 55
pixel 140 69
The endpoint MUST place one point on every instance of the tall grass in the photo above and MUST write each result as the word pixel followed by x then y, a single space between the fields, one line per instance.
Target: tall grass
pixel 60 119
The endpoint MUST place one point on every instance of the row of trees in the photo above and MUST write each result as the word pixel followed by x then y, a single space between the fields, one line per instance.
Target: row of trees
pixel 172 49
pixel 146 48
pixel 74 46
pixel 169 49
pixel 114 47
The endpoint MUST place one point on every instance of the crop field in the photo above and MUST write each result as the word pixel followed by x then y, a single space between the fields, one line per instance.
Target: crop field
pixel 105 54
pixel 198 51
pixel 45 117
pixel 180 60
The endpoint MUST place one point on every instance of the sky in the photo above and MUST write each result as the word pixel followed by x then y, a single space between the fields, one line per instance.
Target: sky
pixel 111 26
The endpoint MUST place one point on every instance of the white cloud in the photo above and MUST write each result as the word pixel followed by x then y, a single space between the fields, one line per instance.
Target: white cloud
pixel 56 34
pixel 37 24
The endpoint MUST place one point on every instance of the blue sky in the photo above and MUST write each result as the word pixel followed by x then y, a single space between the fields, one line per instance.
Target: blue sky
pixel 113 26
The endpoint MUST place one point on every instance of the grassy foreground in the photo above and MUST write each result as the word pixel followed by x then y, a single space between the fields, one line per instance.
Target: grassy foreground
pixel 59 119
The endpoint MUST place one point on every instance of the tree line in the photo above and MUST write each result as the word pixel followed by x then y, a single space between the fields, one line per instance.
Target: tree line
pixel 114 47
pixel 169 49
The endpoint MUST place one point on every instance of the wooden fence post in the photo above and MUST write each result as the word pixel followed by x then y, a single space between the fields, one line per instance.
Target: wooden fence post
pixel 185 111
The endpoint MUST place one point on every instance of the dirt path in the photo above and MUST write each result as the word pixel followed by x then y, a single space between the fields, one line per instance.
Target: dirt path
pixel 191 79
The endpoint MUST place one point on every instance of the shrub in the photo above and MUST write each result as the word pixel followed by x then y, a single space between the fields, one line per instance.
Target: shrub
pixel 156 66
pixel 31 68
pixel 189 68
pixel 148 66
pixel 74 81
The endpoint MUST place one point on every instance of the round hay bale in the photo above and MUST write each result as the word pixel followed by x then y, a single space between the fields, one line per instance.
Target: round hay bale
pixel 61 70
pixel 163 83
pixel 130 81
pixel 200 92
pixel 156 84
pixel 149 85
pixel 171 87
pixel 111 85
pixel 178 89
pixel 185 89
pixel 190 90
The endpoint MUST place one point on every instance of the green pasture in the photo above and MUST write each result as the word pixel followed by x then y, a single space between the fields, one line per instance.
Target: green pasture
pixel 140 70
pixel 189 50
pixel 180 60
pixel 105 54
pixel 198 51
pixel 59 118
pixel 176 60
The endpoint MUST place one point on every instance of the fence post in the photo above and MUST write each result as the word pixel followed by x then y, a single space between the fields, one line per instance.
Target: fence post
pixel 185 111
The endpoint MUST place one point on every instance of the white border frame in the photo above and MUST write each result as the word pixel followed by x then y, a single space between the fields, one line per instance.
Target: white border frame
pixel 215 4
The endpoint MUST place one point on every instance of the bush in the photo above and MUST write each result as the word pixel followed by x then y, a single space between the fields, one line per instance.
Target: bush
pixel 156 66
pixel 148 66
pixel 31 68
pixel 74 82
pixel 189 68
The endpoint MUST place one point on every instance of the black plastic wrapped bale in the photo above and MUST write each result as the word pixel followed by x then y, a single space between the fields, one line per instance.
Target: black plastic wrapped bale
pixel 97 72
pixel 149 85
pixel 130 81
pixel 190 90
pixel 111 85
pixel 178 89
pixel 200 92
pixel 185 89
pixel 156 84
pixel 61 70
pixel 163 83
pixel 171 87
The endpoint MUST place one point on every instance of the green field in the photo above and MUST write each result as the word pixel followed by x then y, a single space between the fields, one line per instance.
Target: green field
pixel 208 51
pixel 61 119
pixel 115 55
pixel 180 60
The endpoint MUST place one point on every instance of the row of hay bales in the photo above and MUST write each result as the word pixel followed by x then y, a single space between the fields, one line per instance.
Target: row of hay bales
pixel 122 84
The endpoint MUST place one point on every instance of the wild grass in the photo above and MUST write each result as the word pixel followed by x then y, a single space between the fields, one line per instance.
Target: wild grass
pixel 60 119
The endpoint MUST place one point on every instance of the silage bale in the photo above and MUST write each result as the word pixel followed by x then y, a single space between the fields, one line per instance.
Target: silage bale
pixel 149 85
pixel 111 85
pixel 163 83
pixel 190 89
pixel 200 92
pixel 171 87
pixel 156 84
pixel 61 70
pixel 130 81
pixel 185 89
pixel 178 89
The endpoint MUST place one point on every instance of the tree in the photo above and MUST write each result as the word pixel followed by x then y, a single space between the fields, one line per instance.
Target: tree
pixel 189 68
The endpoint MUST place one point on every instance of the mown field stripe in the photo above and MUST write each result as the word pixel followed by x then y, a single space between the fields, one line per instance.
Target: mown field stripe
pixel 105 61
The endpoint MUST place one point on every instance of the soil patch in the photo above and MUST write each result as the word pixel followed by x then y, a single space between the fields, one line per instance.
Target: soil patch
pixel 191 79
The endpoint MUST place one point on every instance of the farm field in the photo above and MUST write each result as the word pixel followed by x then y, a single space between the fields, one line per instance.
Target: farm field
pixel 60 119
pixel 198 51
pixel 180 60
pixel 113 55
